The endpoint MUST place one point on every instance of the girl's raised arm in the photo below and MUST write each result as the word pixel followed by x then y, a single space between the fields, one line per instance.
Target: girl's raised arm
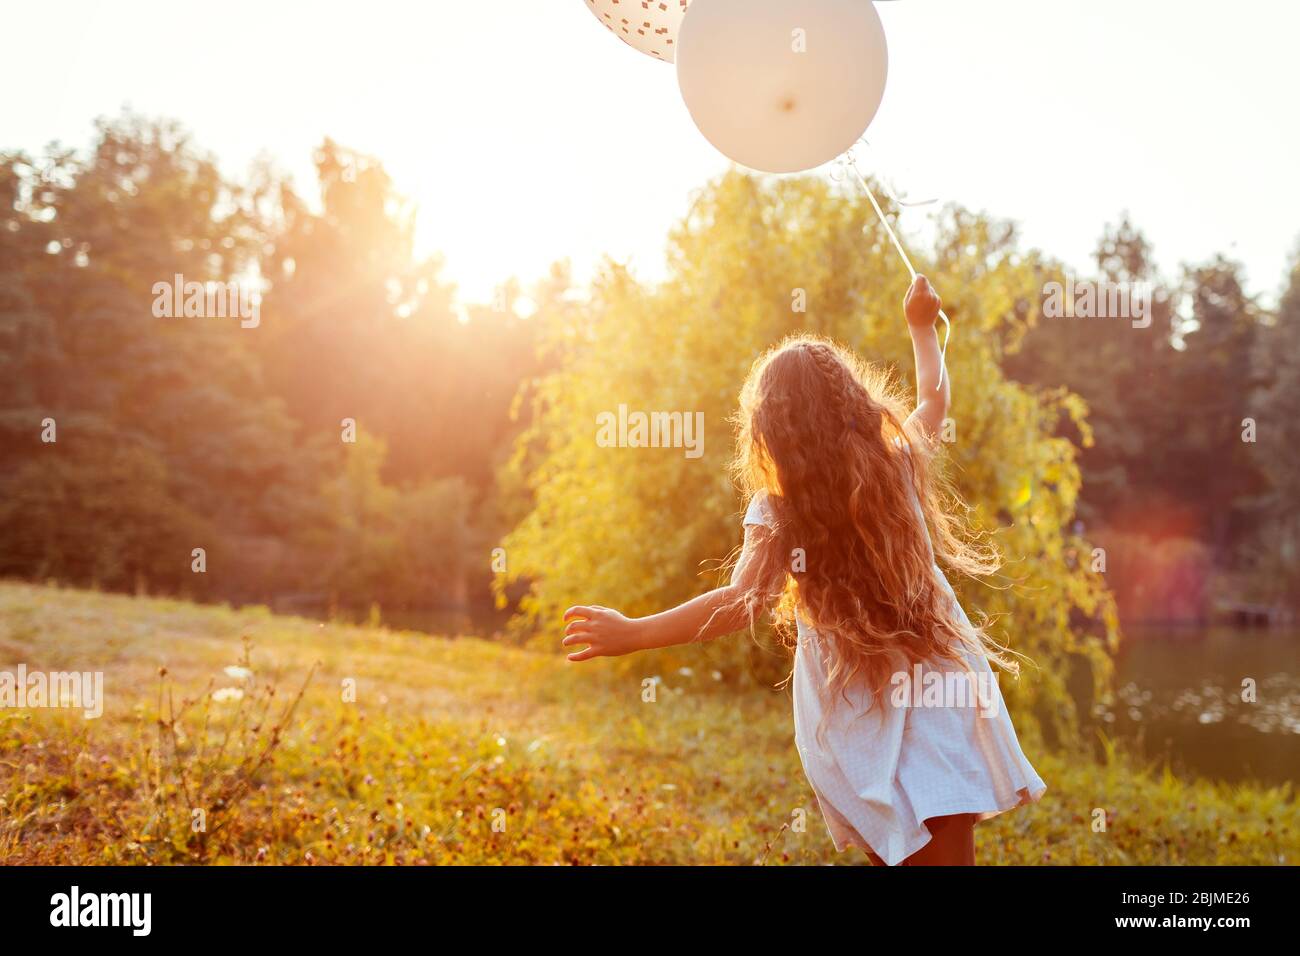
pixel 922 307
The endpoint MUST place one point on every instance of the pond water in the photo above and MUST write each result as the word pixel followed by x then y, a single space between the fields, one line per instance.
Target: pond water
pixel 1179 696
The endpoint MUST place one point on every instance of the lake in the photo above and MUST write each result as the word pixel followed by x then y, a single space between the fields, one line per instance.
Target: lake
pixel 1179 695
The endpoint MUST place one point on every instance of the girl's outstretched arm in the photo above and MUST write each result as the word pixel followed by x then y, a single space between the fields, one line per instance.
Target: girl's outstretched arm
pixel 922 307
pixel 607 633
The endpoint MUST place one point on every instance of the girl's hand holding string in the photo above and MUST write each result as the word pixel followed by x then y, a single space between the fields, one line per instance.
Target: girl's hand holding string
pixel 921 307
pixel 922 304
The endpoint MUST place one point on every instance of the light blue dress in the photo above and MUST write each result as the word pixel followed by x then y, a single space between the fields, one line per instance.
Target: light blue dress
pixel 940 743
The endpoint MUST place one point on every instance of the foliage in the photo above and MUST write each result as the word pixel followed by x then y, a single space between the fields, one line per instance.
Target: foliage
pixel 1273 552
pixel 631 528
pixel 176 433
pixel 1168 403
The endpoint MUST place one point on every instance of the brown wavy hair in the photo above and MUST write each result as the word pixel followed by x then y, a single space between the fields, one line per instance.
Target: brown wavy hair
pixel 824 435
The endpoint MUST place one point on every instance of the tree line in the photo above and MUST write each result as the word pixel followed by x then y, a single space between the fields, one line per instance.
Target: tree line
pixel 371 440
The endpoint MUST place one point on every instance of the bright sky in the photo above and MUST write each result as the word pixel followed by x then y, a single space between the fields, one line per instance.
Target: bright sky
pixel 527 133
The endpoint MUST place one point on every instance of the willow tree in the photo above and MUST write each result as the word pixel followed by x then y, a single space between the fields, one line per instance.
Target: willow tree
pixel 639 528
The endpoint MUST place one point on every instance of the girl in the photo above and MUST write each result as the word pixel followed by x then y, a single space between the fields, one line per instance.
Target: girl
pixel 898 719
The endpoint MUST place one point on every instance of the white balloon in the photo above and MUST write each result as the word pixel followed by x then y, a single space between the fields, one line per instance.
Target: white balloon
pixel 782 85
pixel 647 25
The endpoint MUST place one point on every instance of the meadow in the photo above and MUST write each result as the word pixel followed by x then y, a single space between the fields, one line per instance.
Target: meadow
pixel 239 736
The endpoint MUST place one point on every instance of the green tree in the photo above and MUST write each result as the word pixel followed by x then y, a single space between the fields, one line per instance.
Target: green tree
pixel 1122 370
pixel 232 433
pixel 374 543
pixel 1273 552
pixel 634 527
pixel 1214 384
pixel 176 402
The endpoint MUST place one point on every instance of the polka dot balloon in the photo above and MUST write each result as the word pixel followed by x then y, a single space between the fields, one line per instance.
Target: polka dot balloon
pixel 647 25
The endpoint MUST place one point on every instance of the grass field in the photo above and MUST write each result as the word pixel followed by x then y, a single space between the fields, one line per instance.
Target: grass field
pixel 402 748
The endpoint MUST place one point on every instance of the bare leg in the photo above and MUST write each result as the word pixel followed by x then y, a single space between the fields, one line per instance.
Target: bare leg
pixel 952 842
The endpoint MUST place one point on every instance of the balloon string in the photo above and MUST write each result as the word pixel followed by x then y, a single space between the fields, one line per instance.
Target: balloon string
pixel 902 254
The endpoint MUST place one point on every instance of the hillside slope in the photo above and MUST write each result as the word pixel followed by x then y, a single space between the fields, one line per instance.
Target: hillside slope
pixel 409 749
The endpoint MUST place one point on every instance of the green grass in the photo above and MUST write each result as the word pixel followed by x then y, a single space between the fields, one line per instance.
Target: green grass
pixel 465 751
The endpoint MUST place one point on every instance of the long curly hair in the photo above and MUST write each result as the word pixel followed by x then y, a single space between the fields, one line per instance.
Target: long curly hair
pixel 850 491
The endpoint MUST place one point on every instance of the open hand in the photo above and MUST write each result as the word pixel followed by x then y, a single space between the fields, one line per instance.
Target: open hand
pixel 922 304
pixel 606 632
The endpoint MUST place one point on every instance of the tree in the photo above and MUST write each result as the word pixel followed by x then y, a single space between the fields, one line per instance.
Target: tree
pixel 1214 383
pixel 216 435
pixel 633 527
pixel 1273 550
pixel 1120 368
pixel 359 326
pixel 174 402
